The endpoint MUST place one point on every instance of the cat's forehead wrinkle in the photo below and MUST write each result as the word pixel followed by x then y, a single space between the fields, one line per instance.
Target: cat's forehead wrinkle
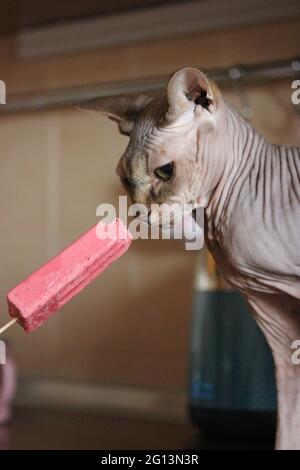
pixel 142 139
pixel 148 121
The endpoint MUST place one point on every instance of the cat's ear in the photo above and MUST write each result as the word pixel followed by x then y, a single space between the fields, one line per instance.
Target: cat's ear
pixel 190 89
pixel 123 109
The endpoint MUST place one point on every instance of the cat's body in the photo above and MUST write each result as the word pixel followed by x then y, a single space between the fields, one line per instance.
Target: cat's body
pixel 253 231
pixel 189 146
pixel 253 215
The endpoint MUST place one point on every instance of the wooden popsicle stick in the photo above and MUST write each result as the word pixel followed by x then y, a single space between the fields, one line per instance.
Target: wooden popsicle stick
pixel 8 325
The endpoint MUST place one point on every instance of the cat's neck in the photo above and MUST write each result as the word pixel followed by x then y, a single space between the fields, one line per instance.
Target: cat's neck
pixel 237 148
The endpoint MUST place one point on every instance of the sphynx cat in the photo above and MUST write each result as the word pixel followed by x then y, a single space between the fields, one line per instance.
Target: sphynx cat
pixel 188 145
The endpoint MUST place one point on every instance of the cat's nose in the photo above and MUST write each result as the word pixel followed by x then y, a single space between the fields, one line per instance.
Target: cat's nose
pixel 128 183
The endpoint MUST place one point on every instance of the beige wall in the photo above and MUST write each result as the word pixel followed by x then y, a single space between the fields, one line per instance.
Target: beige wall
pixel 132 324
pixel 217 49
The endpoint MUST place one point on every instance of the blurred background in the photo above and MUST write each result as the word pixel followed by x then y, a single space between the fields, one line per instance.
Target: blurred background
pixel 113 368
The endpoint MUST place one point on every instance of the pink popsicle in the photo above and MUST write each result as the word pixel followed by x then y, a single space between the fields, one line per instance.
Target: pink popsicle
pixel 39 296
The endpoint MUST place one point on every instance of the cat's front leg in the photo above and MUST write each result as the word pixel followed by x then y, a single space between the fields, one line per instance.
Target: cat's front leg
pixel 279 318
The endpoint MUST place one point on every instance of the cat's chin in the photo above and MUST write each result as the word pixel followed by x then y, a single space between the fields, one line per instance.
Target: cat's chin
pixel 187 229
pixel 164 222
pixel 200 202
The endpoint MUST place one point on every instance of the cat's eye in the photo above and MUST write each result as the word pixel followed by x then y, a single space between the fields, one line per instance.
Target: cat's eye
pixel 165 172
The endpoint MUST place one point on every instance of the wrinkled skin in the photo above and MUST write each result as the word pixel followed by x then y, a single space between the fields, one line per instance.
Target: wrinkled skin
pixel 250 190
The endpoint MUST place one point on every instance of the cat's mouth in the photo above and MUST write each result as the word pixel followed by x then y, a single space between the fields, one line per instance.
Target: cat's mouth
pixel 163 220
pixel 167 215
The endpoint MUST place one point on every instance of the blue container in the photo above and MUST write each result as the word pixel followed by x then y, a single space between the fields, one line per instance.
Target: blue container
pixel 232 382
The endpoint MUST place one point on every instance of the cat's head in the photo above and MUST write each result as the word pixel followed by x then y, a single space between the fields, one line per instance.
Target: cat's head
pixel 170 136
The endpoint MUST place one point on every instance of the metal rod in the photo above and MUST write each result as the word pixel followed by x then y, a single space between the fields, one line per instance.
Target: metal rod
pixel 225 77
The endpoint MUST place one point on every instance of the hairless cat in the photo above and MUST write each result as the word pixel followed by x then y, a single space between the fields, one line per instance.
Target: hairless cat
pixel 188 145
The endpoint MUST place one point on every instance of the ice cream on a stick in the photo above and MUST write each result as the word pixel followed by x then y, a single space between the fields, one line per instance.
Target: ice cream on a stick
pixel 43 293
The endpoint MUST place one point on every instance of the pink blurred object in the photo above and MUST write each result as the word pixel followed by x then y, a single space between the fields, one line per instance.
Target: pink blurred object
pixel 7 389
pixel 43 293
